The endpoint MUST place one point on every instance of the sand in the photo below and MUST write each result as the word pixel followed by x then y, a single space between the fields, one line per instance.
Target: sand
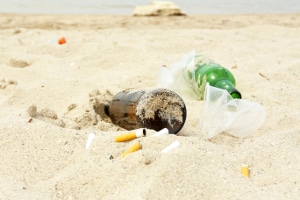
pixel 49 95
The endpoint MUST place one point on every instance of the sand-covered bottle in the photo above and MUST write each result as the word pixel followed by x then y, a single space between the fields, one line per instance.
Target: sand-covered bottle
pixel 153 109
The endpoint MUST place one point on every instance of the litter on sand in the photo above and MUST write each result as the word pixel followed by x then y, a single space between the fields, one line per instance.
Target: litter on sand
pixel 89 140
pixel 131 135
pixel 131 149
pixel 174 145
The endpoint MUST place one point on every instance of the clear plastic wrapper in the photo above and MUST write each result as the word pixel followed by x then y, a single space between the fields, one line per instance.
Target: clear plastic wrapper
pixel 176 77
pixel 222 113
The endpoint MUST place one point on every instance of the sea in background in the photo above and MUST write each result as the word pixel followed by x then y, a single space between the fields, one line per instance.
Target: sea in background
pixel 126 7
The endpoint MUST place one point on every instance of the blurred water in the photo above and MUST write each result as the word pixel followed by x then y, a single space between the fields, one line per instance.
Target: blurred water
pixel 125 7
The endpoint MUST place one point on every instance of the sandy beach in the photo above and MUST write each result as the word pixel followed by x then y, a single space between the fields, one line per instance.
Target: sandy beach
pixel 42 152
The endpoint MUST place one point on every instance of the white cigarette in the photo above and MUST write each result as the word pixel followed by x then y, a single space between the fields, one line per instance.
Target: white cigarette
pixel 89 140
pixel 174 145
pixel 163 131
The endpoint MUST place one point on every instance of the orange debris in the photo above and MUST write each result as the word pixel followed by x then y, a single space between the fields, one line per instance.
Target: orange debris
pixel 62 41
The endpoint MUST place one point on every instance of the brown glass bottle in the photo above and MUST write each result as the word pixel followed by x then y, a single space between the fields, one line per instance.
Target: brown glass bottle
pixel 153 109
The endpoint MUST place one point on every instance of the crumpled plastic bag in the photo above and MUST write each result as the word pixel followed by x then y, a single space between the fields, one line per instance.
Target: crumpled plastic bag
pixel 222 113
pixel 176 77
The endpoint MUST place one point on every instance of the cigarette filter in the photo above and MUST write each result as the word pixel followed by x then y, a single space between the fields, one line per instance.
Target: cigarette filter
pixel 133 148
pixel 245 170
pixel 163 131
pixel 131 135
pixel 174 145
pixel 89 140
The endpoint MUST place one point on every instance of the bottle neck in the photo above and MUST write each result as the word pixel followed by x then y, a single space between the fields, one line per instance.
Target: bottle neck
pixel 228 85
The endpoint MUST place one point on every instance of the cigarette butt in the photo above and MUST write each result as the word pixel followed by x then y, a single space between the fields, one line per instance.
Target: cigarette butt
pixel 245 170
pixel 89 140
pixel 131 135
pixel 62 40
pixel 131 149
pixel 163 131
pixel 175 144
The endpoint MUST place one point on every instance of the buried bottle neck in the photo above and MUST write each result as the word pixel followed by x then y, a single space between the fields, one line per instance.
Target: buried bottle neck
pixel 229 86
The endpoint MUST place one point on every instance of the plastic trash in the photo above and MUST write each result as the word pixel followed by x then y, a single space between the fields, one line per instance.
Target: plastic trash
pixel 61 40
pixel 175 78
pixel 222 113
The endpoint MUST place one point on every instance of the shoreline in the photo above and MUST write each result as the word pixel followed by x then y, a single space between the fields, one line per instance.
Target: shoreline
pixel 189 21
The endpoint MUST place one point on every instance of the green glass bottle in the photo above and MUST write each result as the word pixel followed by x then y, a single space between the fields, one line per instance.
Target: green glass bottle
pixel 207 71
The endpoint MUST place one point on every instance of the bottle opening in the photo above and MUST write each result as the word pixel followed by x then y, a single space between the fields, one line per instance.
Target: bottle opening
pixel 236 95
pixel 106 109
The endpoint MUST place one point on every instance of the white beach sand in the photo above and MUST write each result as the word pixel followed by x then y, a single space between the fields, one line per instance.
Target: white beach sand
pixel 46 159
